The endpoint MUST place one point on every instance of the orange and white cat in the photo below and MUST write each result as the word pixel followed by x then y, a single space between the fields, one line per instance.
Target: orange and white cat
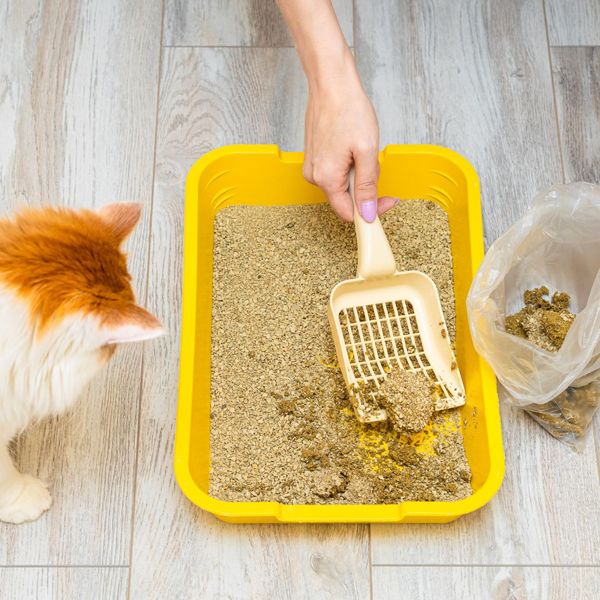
pixel 65 303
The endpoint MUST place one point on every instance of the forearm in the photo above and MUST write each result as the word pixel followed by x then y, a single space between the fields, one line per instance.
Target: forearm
pixel 326 58
pixel 341 127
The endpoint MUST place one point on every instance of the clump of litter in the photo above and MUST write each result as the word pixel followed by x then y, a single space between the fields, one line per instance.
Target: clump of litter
pixel 408 400
pixel 543 322
pixel 365 395
pixel 569 415
pixel 546 324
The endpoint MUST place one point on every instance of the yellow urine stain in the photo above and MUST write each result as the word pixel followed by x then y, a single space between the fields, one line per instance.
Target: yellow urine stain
pixel 375 444
pixel 424 441
pixel 374 441
pixel 327 364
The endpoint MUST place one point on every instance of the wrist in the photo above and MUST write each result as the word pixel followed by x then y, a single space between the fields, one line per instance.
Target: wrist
pixel 334 73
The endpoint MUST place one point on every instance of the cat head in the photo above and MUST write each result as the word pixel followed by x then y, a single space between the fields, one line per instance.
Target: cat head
pixel 67 263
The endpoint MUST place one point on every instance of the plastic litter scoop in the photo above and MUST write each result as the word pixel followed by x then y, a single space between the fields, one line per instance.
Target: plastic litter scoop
pixel 386 319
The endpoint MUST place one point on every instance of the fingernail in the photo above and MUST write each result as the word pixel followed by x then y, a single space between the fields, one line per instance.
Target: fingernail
pixel 396 200
pixel 368 210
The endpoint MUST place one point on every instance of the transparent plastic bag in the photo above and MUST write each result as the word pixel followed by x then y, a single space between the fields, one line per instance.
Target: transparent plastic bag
pixel 556 244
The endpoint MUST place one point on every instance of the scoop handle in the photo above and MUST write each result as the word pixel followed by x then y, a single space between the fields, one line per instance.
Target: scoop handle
pixel 375 257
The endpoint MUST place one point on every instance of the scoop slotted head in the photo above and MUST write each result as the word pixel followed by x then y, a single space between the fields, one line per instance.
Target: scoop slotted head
pixel 385 319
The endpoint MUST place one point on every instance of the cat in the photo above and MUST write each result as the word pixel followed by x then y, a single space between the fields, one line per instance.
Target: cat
pixel 66 302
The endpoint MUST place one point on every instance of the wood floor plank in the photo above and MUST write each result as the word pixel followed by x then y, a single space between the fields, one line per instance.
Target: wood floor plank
pixel 78 114
pixel 235 23
pixel 475 77
pixel 471 76
pixel 577 88
pixel 573 22
pixel 213 97
pixel 475 583
pixel 43 583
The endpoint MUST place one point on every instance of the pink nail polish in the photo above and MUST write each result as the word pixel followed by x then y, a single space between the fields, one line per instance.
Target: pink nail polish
pixel 368 210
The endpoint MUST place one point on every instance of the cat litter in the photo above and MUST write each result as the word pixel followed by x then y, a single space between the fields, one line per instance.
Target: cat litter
pixel 282 427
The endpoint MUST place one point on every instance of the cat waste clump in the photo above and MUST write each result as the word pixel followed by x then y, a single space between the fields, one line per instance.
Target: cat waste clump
pixel 408 400
pixel 545 322
pixel 282 426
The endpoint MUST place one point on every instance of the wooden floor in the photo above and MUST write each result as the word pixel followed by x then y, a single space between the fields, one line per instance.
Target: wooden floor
pixel 114 100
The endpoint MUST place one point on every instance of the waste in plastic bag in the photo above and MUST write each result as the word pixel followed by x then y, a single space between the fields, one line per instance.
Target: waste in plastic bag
pixel 556 244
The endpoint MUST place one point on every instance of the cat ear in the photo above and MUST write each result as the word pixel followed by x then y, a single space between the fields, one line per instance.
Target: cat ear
pixel 135 325
pixel 121 217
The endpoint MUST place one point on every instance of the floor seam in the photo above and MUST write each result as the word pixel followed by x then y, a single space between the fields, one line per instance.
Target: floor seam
pixel 574 45
pixel 234 47
pixel 484 566
pixel 146 294
pixel 64 567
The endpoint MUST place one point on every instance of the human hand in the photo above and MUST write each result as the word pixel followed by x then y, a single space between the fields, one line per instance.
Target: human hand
pixel 341 127
pixel 341 130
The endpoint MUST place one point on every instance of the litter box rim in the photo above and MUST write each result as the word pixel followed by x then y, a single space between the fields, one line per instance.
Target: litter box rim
pixel 270 512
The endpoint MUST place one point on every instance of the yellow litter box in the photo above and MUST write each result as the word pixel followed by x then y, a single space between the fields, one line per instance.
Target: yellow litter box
pixel 262 174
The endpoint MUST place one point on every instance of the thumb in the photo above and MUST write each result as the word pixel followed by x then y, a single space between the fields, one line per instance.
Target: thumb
pixel 366 166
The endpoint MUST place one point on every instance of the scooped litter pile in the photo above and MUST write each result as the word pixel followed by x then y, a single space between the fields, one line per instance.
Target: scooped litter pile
pixel 408 400
pixel 543 322
pixel 546 323
pixel 282 427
